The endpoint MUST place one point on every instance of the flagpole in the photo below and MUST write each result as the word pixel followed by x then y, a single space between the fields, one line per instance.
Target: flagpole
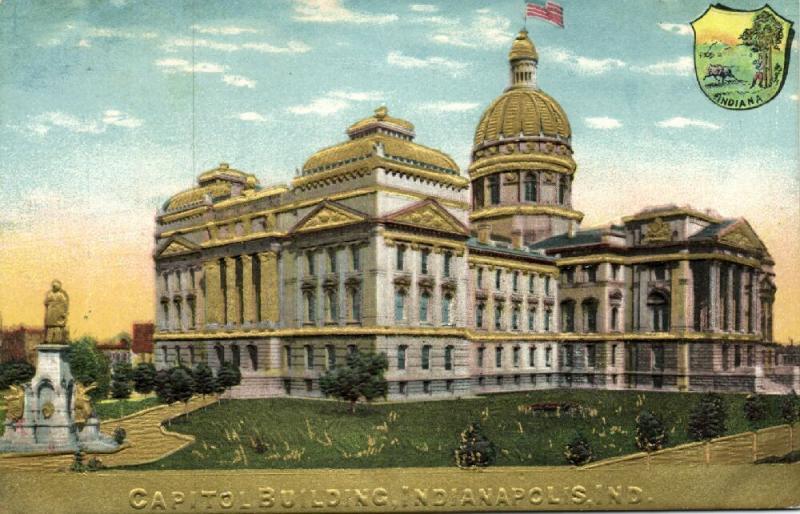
pixel 525 15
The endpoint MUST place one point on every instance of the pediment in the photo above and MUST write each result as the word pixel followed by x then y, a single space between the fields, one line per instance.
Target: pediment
pixel 741 235
pixel 430 215
pixel 177 246
pixel 328 215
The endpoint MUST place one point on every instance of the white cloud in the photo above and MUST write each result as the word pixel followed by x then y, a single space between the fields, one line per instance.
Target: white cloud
pixel 84 43
pixel 251 116
pixel 239 81
pixel 602 123
pixel 120 119
pixel 435 20
pixel 794 97
pixel 449 106
pixel 423 8
pixel 683 66
pixel 484 31
pixel 103 32
pixel 294 47
pixel 335 101
pixel 184 66
pixel 408 62
pixel 45 122
pixel 679 122
pixel 583 65
pixel 332 11
pixel 223 31
pixel 680 29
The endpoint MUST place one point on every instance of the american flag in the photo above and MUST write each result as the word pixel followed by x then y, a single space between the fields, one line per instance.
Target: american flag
pixel 550 11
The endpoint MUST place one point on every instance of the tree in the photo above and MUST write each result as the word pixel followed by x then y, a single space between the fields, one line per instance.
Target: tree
pixel 163 386
pixel 181 384
pixel 578 451
pixel 763 37
pixel 650 432
pixel 89 366
pixel 361 377
pixel 204 381
pixel 755 409
pixel 707 418
pixel 15 373
pixel 475 449
pixel 121 380
pixel 144 377
pixel 790 410
pixel 228 376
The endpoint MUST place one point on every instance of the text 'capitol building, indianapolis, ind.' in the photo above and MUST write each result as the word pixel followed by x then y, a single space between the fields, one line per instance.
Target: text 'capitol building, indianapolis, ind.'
pixel 468 285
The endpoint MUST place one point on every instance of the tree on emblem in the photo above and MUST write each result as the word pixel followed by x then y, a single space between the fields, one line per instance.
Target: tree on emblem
pixel 763 37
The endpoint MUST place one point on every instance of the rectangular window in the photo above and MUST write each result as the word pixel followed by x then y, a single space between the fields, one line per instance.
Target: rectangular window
pixel 498 356
pixel 531 283
pixel 448 257
pixel 615 271
pixel 515 356
pixel 287 356
pixel 424 300
pixel 515 318
pixel 569 356
pixel 613 355
pixel 332 261
pixel 660 272
pixel 479 312
pixel 498 317
pixel 355 304
pixel 591 273
pixel 355 258
pixel 400 257
pixel 481 353
pixel 548 357
pixel 658 357
pixel 532 356
pixel 547 285
pixel 591 356
pixel 498 279
pixel 569 275
pixel 330 352
pixel 448 358
pixel 426 387
pixel 548 320
pixel 351 349
pixel 737 356
pixel 309 357
pixel 447 303
pixel 480 278
pixel 515 281
pixel 401 356
pixel 426 357
pixel 310 268
pixel 424 258
pixel 399 305
pixel 532 320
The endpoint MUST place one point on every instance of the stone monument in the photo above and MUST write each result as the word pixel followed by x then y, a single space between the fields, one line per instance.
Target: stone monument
pixel 53 413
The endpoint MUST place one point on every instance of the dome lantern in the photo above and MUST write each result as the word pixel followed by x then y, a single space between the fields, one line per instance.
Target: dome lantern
pixel 523 59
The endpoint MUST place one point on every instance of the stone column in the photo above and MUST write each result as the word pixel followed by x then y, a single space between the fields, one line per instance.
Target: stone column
pixel 232 307
pixel 729 314
pixel 683 366
pixel 199 306
pixel 213 295
pixel 681 304
pixel 742 325
pixel 643 320
pixel 248 291
pixel 756 299
pixel 713 296
pixel 269 287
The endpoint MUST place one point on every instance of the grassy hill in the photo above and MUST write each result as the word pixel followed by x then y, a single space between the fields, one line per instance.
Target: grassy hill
pixel 293 433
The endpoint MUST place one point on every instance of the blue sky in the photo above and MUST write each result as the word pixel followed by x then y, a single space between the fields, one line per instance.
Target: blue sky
pixel 99 108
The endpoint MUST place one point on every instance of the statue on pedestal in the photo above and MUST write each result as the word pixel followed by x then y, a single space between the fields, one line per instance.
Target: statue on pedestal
pixel 56 305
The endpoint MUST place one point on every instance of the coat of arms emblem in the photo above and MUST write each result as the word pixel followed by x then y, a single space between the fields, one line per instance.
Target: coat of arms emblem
pixel 741 57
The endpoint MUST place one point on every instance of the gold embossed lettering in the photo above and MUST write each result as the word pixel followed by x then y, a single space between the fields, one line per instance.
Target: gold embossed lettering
pixel 615 493
pixel 177 498
pixel 634 494
pixel 287 498
pixel 380 497
pixel 518 494
pixel 578 494
pixel 207 495
pixel 361 498
pixel 315 503
pixel 467 498
pixel 243 504
pixel 536 495
pixel 421 496
pixel 551 498
pixel 484 496
pixel 158 501
pixel 135 498
pixel 502 497
pixel 226 499
pixel 266 497
pixel 439 497
pixel 335 497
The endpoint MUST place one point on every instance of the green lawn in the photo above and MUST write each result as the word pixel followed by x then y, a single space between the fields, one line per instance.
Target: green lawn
pixel 318 434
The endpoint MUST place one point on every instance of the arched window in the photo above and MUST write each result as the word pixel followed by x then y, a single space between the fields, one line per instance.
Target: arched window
pixel 311 315
pixel 515 318
pixel 424 301
pixel 548 319
pixel 568 316
pixel 531 189
pixel 562 190
pixel 498 316
pixel 532 319
pixel 614 318
pixel 447 303
pixel 658 304
pixel 494 190
pixel 332 305
pixel 355 304
pixel 236 356
pixel 479 313
pixel 252 352
pixel 448 358
pixel 589 307
pixel 477 193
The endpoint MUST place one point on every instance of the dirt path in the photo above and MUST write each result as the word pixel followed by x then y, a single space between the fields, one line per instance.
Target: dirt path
pixel 146 440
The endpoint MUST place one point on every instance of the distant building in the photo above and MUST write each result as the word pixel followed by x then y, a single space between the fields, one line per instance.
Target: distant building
pixel 469 284
pixel 117 349
pixel 19 343
pixel 142 344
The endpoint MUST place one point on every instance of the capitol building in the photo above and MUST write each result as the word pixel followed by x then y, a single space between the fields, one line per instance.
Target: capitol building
pixel 471 282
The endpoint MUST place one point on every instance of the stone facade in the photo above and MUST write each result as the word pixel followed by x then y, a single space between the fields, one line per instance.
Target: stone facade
pixel 468 285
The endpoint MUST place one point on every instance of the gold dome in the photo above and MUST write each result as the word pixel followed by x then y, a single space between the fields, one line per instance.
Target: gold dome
pixel 381 116
pixel 522 112
pixel 522 48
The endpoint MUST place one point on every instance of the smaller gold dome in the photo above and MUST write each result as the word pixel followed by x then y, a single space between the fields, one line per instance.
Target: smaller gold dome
pixel 523 48
pixel 382 117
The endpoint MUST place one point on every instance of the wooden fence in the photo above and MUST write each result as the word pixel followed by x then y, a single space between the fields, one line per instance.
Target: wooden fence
pixel 743 448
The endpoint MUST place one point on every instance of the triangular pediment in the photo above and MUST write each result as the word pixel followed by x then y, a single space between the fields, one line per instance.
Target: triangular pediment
pixel 741 235
pixel 176 246
pixel 328 215
pixel 430 215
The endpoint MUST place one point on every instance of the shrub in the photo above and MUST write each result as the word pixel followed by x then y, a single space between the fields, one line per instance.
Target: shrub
pixel 90 366
pixel 77 461
pixel 578 452
pixel 790 410
pixel 144 377
pixel 119 435
pixel 163 387
pixel 181 384
pixel 204 382
pixel 15 373
pixel 361 377
pixel 755 409
pixel 707 418
pixel 650 432
pixel 228 376
pixel 121 381
pixel 475 449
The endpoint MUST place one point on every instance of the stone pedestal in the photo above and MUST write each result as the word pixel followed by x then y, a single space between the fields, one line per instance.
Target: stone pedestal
pixel 47 423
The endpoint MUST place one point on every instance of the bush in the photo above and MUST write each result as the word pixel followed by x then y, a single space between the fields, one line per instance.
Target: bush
pixel 578 452
pixel 181 384
pixel 361 377
pixel 650 432
pixel 755 409
pixel 121 381
pixel 707 418
pixel 163 387
pixel 204 381
pixel 475 449
pixel 144 377
pixel 15 373
pixel 790 408
pixel 228 376
pixel 89 366
pixel 77 461
pixel 119 435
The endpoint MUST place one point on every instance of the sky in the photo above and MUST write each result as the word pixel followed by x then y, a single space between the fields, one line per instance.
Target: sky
pixel 107 107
